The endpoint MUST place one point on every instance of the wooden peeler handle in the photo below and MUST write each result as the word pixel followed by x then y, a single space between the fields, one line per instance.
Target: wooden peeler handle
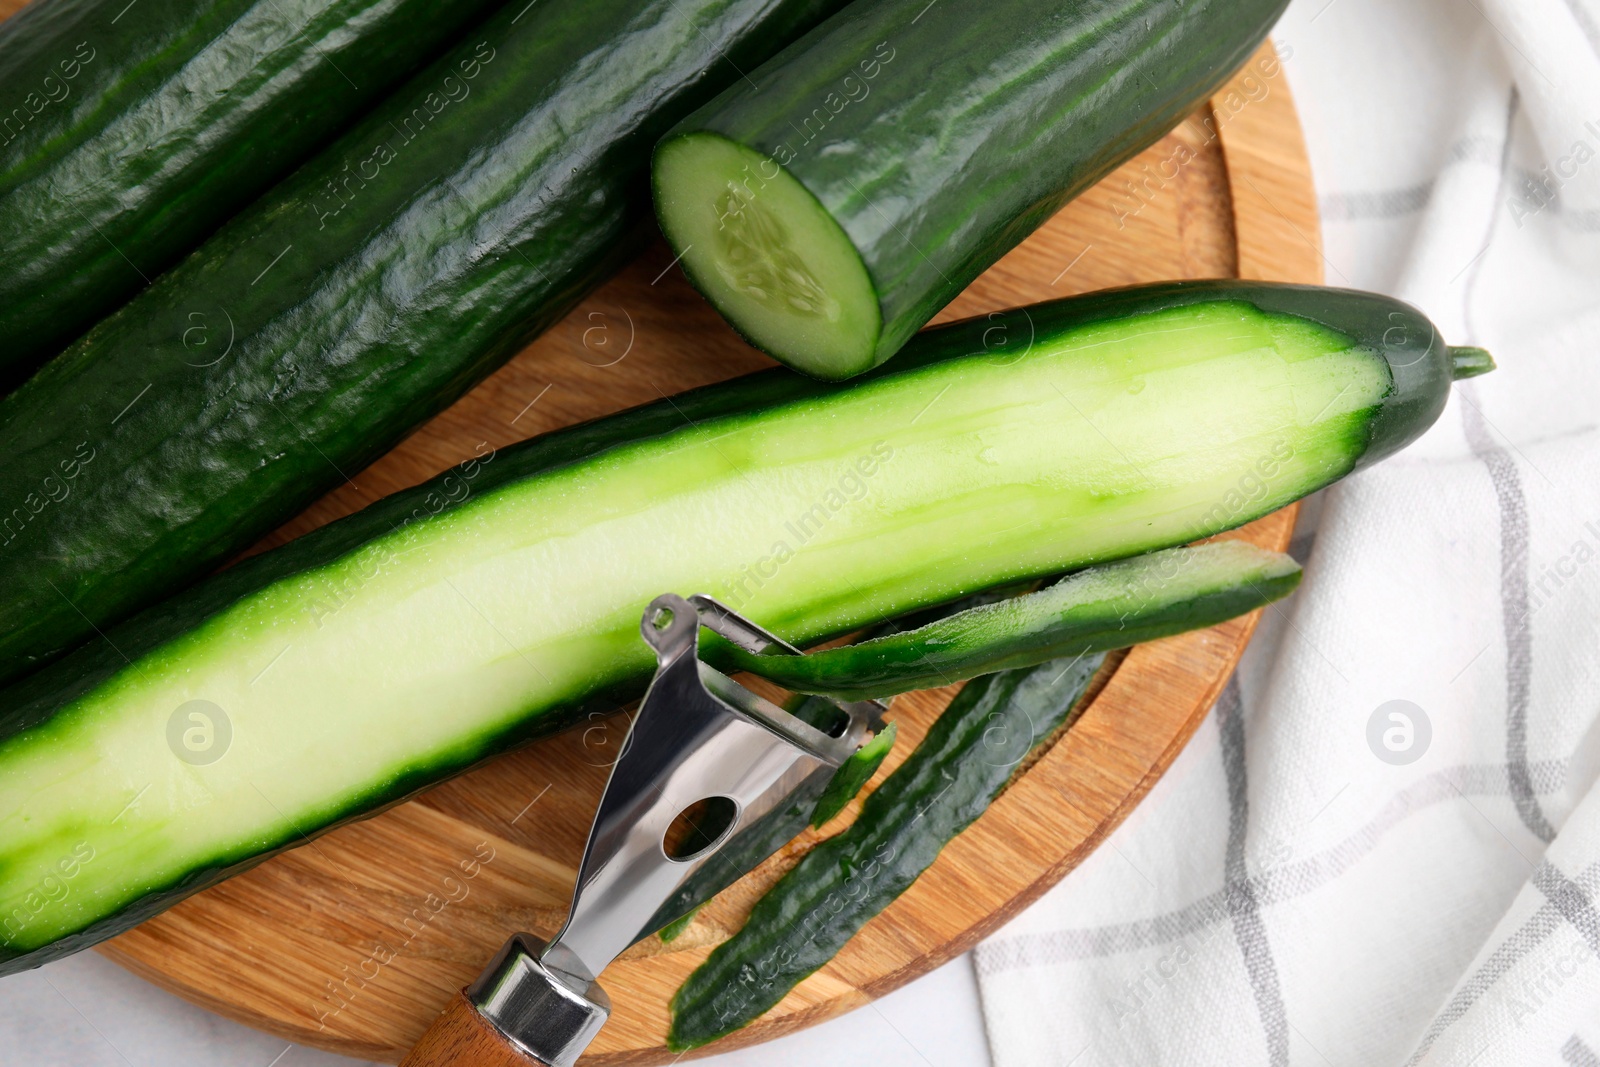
pixel 462 1037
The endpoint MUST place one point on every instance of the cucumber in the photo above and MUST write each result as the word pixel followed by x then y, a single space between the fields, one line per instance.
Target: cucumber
pixel 349 304
pixel 1110 606
pixel 405 643
pixel 967 759
pixel 133 132
pixel 831 203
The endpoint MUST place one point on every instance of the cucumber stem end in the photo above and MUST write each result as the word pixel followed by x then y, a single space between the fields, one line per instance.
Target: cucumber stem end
pixel 1469 362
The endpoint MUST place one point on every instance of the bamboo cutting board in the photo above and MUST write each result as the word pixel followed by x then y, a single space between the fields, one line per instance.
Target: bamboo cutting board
pixel 354 942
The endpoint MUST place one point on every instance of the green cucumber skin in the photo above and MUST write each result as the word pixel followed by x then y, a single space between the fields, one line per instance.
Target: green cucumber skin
pixel 179 112
pixel 1028 108
pixel 1147 601
pixel 956 352
pixel 485 228
pixel 854 773
pixel 804 920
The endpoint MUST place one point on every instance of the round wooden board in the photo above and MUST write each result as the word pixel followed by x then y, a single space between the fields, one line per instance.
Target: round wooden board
pixel 355 941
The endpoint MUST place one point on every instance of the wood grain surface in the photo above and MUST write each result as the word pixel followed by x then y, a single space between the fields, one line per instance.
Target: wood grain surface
pixel 460 1037
pixel 356 941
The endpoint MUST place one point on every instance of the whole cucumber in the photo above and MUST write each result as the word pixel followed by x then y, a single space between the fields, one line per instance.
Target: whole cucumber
pixel 134 131
pixel 349 304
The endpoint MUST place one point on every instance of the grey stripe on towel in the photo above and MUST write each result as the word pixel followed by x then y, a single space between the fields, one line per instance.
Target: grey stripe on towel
pixel 1248 928
pixel 1271 886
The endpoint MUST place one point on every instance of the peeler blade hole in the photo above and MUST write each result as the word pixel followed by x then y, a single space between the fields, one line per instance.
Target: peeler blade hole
pixel 699 827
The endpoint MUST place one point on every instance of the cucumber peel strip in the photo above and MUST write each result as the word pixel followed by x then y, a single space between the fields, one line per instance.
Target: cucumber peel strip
pixel 1034 655
pixel 842 788
pixel 676 927
pixel 968 758
pixel 854 773
pixel 1104 607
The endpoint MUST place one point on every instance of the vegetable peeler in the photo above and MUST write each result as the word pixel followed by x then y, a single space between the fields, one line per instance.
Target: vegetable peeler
pixel 711 780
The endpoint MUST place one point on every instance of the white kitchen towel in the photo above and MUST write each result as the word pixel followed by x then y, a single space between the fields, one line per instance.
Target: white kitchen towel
pixel 1383 847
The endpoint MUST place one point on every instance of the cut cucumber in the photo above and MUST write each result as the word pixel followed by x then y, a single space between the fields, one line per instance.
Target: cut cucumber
pixel 389 650
pixel 832 202
pixel 1110 606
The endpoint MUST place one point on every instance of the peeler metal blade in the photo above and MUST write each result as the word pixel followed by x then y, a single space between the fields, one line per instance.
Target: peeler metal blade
pixel 701 743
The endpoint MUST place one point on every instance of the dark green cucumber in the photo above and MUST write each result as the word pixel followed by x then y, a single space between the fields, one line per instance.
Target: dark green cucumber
pixel 831 203
pixel 350 303
pixel 387 651
pixel 802 922
pixel 1106 607
pixel 130 133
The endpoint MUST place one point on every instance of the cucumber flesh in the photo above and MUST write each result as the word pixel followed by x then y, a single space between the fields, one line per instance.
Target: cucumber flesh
pixel 1112 426
pixel 768 255
pixel 676 927
pixel 1110 606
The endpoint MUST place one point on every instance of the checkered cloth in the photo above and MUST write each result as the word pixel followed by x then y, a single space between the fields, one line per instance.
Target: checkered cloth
pixel 1383 846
